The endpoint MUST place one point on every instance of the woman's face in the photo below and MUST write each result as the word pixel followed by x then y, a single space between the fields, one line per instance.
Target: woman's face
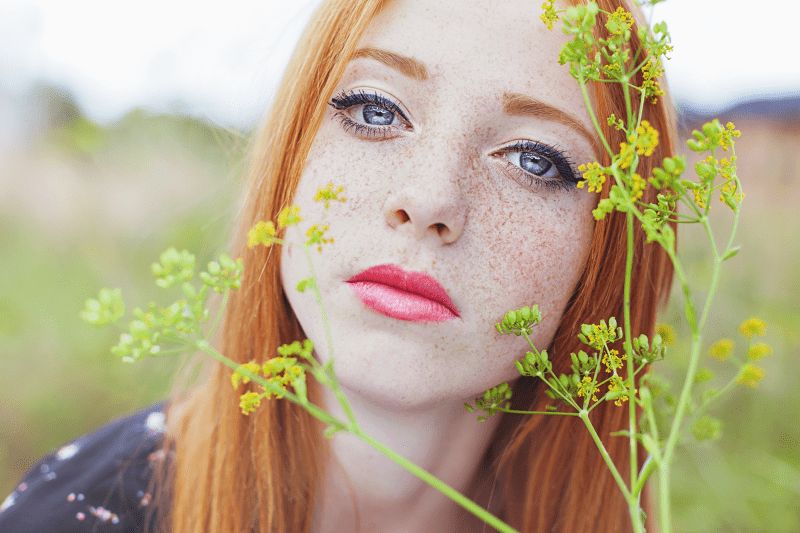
pixel 456 137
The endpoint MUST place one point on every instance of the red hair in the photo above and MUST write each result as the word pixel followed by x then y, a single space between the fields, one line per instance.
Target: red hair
pixel 262 472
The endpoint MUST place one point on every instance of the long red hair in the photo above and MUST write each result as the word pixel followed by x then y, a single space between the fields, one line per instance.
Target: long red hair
pixel 262 472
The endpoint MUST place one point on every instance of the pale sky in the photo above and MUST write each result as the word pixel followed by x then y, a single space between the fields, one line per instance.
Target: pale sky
pixel 221 60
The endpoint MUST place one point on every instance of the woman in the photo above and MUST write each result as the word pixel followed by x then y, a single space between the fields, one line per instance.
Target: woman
pixel 456 137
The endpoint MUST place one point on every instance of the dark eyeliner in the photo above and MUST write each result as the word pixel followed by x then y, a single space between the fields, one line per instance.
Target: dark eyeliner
pixel 346 100
pixel 563 163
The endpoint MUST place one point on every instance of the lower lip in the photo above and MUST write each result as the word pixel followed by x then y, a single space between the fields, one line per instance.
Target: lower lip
pixel 399 304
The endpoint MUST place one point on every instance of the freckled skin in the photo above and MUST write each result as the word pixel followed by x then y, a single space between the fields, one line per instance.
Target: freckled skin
pixel 435 197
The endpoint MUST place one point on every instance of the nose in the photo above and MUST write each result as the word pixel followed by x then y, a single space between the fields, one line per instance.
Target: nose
pixel 436 211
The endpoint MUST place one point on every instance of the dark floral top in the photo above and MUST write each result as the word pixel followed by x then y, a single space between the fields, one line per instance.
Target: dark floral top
pixel 94 484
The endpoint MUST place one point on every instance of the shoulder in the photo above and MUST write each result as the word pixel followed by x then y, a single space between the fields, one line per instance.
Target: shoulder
pixel 96 483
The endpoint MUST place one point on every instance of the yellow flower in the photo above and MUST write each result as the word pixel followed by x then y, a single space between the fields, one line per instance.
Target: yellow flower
pixel 722 349
pixel 249 401
pixel 616 385
pixel 289 216
pixel 549 17
pixel 587 388
pixel 650 73
pixel 619 21
pixel 237 377
pixel 645 139
pixel 328 194
pixel 700 197
pixel 626 155
pixel 759 350
pixel 750 375
pixel 753 326
pixel 262 233
pixel 593 176
pixel 728 134
pixel 667 334
pixel 637 187
pixel 613 361
pixel 316 234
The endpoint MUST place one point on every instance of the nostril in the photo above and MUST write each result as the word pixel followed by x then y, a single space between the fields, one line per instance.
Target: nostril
pixel 440 228
pixel 402 216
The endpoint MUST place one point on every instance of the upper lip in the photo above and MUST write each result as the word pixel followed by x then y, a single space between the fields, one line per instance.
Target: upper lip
pixel 408 281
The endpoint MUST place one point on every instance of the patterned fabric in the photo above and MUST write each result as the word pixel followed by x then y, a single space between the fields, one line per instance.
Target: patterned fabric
pixel 97 483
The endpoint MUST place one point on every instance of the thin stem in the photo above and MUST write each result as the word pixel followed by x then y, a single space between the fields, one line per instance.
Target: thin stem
pixel 217 318
pixel 634 460
pixel 589 108
pixel 584 415
pixel 537 412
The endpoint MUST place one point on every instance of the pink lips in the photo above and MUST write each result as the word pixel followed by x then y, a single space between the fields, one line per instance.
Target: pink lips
pixel 401 294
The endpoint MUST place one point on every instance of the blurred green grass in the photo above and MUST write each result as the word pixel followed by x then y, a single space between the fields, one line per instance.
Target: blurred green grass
pixel 87 207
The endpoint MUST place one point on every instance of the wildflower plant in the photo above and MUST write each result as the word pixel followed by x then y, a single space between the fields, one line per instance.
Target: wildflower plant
pixel 613 367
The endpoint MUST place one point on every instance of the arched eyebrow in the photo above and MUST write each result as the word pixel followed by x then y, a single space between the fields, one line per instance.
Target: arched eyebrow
pixel 520 105
pixel 405 65
pixel 514 104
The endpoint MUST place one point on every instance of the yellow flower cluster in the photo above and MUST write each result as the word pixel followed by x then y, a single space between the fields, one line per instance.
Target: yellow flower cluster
pixel 593 175
pixel 587 388
pixel 753 326
pixel 626 155
pixel 759 350
pixel 549 17
pixel 289 216
pixel 262 233
pixel 700 197
pixel 282 371
pixel 619 21
pixel 616 385
pixel 637 187
pixel 728 134
pixel 750 375
pixel 650 73
pixel 613 361
pixel 328 195
pixel 316 235
pixel 599 336
pixel 667 334
pixel 645 139
pixel 722 349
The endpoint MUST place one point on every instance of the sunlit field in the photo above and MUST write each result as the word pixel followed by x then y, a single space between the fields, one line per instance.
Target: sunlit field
pixel 85 207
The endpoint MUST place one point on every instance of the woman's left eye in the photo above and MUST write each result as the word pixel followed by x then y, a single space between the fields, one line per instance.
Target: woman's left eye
pixel 368 114
pixel 539 164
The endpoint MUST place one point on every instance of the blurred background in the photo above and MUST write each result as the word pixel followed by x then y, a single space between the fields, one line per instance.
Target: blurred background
pixel 123 131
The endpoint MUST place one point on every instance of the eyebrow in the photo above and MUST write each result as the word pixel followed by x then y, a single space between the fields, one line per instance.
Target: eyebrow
pixel 405 65
pixel 521 105
pixel 514 104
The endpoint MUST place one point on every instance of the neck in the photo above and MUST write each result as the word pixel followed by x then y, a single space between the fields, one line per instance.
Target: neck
pixel 364 490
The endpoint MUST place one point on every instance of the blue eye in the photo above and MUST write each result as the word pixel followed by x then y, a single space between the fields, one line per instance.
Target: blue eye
pixel 539 164
pixel 376 115
pixel 369 114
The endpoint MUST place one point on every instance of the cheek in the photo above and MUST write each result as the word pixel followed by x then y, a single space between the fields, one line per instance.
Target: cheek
pixel 536 249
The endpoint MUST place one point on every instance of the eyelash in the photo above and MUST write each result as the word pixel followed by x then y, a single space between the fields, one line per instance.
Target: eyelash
pixel 347 100
pixel 569 176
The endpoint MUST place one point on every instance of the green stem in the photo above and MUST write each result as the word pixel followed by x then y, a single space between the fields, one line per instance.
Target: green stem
pixel 634 459
pixel 537 412
pixel 441 486
pixel 584 415
pixel 217 318
pixel 592 116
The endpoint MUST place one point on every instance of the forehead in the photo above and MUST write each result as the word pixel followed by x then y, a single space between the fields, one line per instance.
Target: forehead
pixel 480 46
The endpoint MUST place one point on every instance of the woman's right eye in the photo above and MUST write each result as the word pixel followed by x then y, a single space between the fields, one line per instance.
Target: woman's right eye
pixel 369 114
